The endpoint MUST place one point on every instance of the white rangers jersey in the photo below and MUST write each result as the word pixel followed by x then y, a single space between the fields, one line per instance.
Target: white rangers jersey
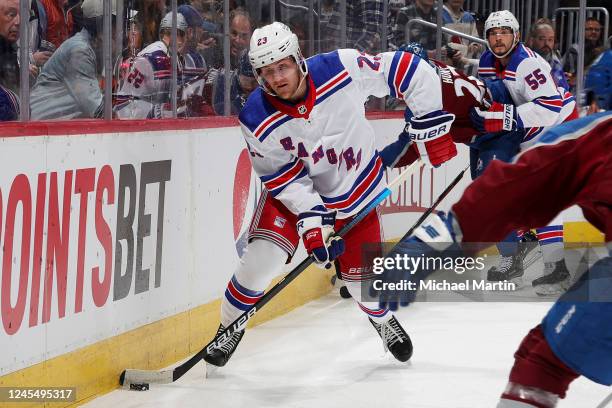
pixel 540 103
pixel 322 151
pixel 145 93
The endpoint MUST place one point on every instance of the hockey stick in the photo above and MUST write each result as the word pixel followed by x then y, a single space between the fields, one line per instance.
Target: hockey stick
pixel 140 379
pixel 605 402
pixel 431 209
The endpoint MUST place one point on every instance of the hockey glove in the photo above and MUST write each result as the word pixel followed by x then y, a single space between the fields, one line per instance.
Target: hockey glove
pixel 316 228
pixel 499 117
pixel 400 153
pixel 436 238
pixel 496 92
pixel 431 135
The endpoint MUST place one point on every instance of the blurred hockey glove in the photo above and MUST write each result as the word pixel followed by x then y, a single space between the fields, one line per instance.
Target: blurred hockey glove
pixel 496 92
pixel 436 237
pixel 316 228
pixel 499 117
pixel 400 153
pixel 432 138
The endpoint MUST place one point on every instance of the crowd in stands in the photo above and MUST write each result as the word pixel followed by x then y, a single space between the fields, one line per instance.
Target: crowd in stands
pixel 65 50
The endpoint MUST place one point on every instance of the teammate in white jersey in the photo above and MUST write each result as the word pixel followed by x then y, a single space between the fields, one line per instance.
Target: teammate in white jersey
pixel 314 150
pixel 145 92
pixel 535 103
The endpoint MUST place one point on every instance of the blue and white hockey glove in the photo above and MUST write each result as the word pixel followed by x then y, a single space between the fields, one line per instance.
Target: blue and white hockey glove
pixel 498 118
pixel 413 259
pixel 316 228
pixel 497 91
pixel 400 153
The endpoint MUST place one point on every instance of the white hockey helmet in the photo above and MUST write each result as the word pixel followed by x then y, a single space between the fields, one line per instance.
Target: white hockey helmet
pixel 166 22
pixel 272 43
pixel 503 18
pixel 95 8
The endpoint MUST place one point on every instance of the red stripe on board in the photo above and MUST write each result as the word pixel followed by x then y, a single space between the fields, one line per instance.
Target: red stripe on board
pixel 80 127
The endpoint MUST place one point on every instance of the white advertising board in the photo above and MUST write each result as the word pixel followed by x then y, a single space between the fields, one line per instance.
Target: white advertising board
pixel 105 232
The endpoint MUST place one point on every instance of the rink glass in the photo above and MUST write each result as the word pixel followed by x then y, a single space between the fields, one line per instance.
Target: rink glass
pixel 321 26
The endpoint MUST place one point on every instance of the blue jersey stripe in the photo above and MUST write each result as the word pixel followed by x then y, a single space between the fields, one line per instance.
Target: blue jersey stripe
pixel 366 171
pixel 413 66
pixel 392 71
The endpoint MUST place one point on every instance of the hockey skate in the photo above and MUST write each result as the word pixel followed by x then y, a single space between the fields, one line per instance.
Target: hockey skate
pixel 220 356
pixel 395 339
pixel 529 249
pixel 510 268
pixel 555 281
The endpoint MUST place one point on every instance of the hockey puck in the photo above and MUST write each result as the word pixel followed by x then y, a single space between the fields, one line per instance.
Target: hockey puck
pixel 344 293
pixel 139 387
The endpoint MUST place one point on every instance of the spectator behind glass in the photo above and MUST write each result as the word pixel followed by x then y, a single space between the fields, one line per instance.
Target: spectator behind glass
pixel 456 18
pixel 9 105
pixel 40 48
pixel 242 83
pixel 195 68
pixel 194 62
pixel 58 21
pixel 129 53
pixel 542 40
pixel 145 94
pixel 152 13
pixel 395 6
pixel 480 22
pixel 598 84
pixel 240 34
pixel 298 27
pixel 426 36
pixel 593 46
pixel 68 85
pixel 134 35
pixel 364 19
pixel 211 10
pixel 9 34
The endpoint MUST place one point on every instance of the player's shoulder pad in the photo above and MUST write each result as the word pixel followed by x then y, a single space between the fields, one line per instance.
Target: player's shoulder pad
pixel 327 68
pixel 259 116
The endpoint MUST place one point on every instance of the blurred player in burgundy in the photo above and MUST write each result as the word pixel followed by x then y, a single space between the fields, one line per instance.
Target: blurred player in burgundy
pixel 570 164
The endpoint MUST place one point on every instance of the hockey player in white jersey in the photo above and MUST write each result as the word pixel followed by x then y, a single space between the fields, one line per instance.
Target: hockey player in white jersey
pixel 314 150
pixel 535 104
pixel 193 78
pixel 145 92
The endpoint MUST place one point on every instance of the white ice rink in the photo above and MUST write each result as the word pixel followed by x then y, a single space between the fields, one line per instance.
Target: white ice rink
pixel 326 354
